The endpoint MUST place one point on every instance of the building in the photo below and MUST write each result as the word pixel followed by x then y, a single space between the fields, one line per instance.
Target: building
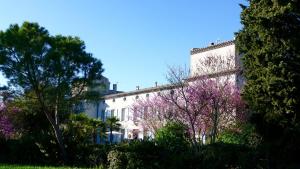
pixel 217 60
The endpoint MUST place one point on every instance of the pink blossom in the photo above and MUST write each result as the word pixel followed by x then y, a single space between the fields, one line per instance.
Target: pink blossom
pixel 201 104
pixel 6 127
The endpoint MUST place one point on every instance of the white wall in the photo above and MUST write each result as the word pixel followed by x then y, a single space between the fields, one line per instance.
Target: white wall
pixel 198 67
pixel 125 102
pixel 225 57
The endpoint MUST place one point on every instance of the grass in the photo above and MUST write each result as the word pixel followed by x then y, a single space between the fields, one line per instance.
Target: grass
pixel 5 166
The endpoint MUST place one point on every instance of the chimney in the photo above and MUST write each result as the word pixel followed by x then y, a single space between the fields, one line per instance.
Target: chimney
pixel 156 84
pixel 137 87
pixel 114 87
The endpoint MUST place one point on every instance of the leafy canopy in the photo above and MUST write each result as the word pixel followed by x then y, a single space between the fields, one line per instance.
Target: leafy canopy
pixel 55 71
pixel 33 60
pixel 269 42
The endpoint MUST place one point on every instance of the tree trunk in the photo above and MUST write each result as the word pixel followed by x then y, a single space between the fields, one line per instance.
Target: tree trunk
pixel 55 125
pixel 194 140
pixel 215 126
pixel 59 138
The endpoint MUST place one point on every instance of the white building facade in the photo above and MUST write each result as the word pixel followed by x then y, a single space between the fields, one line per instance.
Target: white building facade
pixel 217 60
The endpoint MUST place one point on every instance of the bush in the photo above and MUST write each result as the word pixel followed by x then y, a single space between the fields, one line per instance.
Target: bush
pixel 116 159
pixel 173 137
pixel 148 155
pixel 221 155
pixel 134 154
pixel 90 155
pixel 243 134
pixel 23 151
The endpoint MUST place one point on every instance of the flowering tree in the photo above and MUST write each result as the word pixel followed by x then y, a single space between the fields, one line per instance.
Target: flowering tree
pixel 205 104
pixel 224 105
pixel 152 113
pixel 6 127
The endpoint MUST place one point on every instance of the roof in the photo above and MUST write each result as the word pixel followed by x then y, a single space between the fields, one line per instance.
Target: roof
pixel 217 74
pixel 208 48
pixel 168 86
pixel 135 92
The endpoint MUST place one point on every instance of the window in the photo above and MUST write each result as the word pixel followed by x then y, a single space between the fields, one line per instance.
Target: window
pixel 145 113
pixel 128 117
pixel 124 98
pixel 112 113
pixel 135 111
pixel 147 95
pixel 107 114
pixel 114 100
pixel 123 114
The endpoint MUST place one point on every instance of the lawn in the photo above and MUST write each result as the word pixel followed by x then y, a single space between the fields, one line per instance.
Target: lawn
pixel 4 166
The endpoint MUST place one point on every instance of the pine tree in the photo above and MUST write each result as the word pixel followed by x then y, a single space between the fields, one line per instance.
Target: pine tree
pixel 270 44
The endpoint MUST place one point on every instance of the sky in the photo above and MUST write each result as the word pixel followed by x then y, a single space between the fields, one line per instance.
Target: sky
pixel 136 40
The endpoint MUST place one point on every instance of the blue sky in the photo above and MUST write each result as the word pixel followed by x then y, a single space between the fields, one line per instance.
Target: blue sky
pixel 136 40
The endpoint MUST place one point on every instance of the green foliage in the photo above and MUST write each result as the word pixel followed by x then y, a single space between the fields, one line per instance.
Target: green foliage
pixel 12 151
pixel 53 70
pixel 113 125
pixel 80 134
pixel 222 155
pixel 243 134
pixel 269 42
pixel 116 160
pixel 135 154
pixel 90 155
pixel 33 135
pixel 5 166
pixel 148 155
pixel 173 136
pixel 80 129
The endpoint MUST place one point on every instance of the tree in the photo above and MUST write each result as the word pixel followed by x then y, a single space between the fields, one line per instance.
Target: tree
pixel 204 104
pixel 99 129
pixel 269 42
pixel 173 136
pixel 82 130
pixel 152 113
pixel 6 127
pixel 187 106
pixel 224 105
pixel 113 125
pixel 55 70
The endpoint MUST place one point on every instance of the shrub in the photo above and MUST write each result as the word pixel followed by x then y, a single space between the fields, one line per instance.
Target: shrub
pixel 173 137
pixel 221 155
pixel 116 159
pixel 135 154
pixel 243 134
pixel 90 155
